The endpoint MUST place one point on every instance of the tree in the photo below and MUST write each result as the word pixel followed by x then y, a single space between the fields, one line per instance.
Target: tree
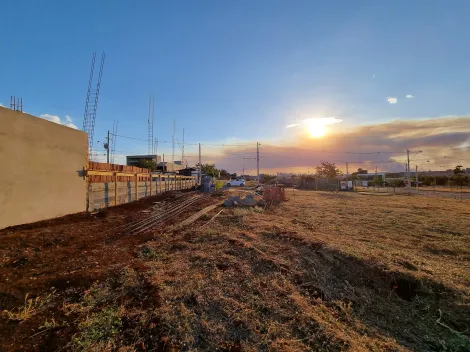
pixel 377 180
pixel 267 178
pixel 209 169
pixel 224 174
pixel 459 170
pixel 148 164
pixel 328 170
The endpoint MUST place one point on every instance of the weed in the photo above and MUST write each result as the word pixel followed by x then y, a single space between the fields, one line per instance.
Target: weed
pixel 258 209
pixel 97 294
pixel 31 306
pixel 102 326
pixel 147 253
pixel 240 212
pixel 346 309
pixel 49 324
pixel 205 217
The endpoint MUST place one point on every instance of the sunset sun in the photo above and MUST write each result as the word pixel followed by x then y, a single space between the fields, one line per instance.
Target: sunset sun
pixel 315 127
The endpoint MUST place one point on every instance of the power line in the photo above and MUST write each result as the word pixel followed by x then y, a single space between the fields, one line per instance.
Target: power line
pixel 194 144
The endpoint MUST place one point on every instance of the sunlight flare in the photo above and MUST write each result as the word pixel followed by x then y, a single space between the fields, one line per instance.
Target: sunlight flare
pixel 316 127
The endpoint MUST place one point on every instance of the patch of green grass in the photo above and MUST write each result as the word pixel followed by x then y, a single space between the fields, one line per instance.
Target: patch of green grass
pixel 103 326
pixel 205 217
pixel 147 253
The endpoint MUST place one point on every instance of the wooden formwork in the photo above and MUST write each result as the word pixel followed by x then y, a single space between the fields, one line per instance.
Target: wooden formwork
pixel 98 173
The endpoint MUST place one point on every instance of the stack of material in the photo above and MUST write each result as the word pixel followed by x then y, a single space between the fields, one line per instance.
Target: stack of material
pixel 248 201
pixel 274 194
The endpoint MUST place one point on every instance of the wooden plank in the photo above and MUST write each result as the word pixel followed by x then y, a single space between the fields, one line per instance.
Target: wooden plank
pixel 99 173
pixel 213 218
pixel 136 180
pixel 196 216
pixel 115 189
pixel 112 173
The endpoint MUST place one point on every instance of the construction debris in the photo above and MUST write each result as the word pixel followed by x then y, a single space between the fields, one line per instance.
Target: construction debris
pixel 168 212
pixel 274 194
pixel 196 216
pixel 248 201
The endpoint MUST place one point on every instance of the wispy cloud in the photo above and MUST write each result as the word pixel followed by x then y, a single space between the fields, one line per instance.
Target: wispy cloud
pixel 323 121
pixel 409 96
pixel 392 100
pixel 56 119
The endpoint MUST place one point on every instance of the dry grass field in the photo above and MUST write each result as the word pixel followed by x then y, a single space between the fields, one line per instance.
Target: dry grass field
pixel 324 271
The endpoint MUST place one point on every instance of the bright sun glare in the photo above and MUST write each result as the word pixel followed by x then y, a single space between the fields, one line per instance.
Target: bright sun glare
pixel 316 127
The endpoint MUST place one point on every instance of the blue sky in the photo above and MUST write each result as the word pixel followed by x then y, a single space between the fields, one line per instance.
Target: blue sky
pixel 237 70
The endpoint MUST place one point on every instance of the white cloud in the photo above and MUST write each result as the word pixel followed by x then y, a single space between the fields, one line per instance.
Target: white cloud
pixel 392 100
pixel 409 96
pixel 319 121
pixel 56 119
pixel 71 125
pixel 52 118
pixel 2 105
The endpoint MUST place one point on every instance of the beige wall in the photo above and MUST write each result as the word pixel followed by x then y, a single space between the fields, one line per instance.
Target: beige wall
pixel 40 163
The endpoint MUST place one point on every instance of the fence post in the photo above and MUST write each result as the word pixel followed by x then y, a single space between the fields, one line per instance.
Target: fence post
pixel 150 184
pixel 136 187
pixel 115 189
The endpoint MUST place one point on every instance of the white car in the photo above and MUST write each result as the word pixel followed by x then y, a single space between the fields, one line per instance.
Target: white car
pixel 236 182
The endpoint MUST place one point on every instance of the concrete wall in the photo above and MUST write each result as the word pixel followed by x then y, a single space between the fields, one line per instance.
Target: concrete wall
pixel 40 163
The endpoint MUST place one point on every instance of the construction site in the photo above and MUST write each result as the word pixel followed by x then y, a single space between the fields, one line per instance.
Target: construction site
pixel 108 257
pixel 100 254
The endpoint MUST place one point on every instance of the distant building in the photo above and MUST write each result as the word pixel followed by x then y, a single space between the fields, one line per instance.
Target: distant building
pixel 134 160
pixel 189 171
pixel 170 167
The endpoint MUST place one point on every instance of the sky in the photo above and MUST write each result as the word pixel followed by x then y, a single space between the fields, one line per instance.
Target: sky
pixel 234 73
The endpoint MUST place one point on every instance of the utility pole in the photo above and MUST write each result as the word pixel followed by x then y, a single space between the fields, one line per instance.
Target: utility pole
pixel 200 166
pixel 408 171
pixel 107 148
pixel 182 152
pixel 376 178
pixel 417 184
pixel 155 143
pixel 173 147
pixel 243 171
pixel 347 169
pixel 257 160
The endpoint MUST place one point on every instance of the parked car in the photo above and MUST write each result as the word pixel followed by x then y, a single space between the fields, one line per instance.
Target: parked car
pixel 236 182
